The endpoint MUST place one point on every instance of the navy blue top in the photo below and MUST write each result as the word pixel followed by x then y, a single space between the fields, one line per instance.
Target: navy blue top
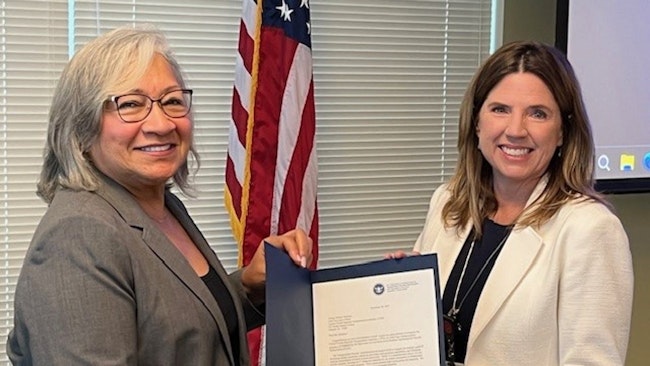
pixel 493 234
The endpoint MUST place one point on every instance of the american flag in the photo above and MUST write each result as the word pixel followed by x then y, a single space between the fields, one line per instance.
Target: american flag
pixel 271 169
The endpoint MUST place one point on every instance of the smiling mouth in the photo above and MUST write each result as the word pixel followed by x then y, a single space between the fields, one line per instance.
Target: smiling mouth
pixel 515 152
pixel 156 148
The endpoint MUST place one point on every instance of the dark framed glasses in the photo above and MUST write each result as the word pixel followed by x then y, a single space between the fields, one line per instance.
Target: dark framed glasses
pixel 136 107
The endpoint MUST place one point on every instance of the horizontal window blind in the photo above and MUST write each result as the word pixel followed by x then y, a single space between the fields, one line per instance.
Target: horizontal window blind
pixel 33 51
pixel 388 78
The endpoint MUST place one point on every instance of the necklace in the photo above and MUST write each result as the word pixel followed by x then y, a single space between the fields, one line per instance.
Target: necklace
pixel 450 320
pixel 455 307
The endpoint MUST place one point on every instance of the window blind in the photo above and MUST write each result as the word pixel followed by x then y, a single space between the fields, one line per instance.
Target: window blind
pixel 388 81
pixel 33 51
pixel 388 77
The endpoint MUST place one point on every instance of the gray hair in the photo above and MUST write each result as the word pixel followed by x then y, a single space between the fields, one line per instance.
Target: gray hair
pixel 107 65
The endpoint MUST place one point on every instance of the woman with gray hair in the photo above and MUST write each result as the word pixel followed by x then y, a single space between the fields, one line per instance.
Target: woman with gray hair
pixel 117 272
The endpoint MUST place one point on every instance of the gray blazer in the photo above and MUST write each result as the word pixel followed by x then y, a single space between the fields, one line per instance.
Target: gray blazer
pixel 101 285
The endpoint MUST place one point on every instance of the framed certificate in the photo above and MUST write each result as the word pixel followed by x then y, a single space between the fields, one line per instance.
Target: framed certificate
pixel 386 312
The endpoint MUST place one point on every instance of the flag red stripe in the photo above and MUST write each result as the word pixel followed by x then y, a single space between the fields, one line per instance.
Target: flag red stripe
pixel 254 345
pixel 240 117
pixel 313 234
pixel 234 187
pixel 246 47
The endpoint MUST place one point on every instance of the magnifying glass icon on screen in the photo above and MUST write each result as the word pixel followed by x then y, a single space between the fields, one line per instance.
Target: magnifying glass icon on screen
pixel 603 162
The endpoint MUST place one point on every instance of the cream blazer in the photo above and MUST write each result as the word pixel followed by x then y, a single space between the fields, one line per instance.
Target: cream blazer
pixel 557 295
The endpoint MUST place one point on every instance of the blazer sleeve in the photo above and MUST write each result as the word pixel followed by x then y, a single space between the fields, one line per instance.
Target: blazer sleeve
pixel 595 289
pixel 74 299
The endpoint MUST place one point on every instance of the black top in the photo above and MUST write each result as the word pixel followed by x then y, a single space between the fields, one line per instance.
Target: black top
pixel 493 235
pixel 227 306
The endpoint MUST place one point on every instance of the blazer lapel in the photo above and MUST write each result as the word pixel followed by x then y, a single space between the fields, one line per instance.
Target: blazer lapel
pixel 177 264
pixel 191 280
pixel 172 258
pixel 511 266
pixel 516 257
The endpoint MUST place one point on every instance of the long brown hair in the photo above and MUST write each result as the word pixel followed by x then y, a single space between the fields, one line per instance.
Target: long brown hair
pixel 570 171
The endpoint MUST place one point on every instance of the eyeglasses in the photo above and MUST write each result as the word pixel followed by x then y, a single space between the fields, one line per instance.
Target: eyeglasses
pixel 136 107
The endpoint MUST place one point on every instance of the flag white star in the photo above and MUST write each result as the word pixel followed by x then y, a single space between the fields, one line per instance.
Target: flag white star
pixel 304 3
pixel 285 12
